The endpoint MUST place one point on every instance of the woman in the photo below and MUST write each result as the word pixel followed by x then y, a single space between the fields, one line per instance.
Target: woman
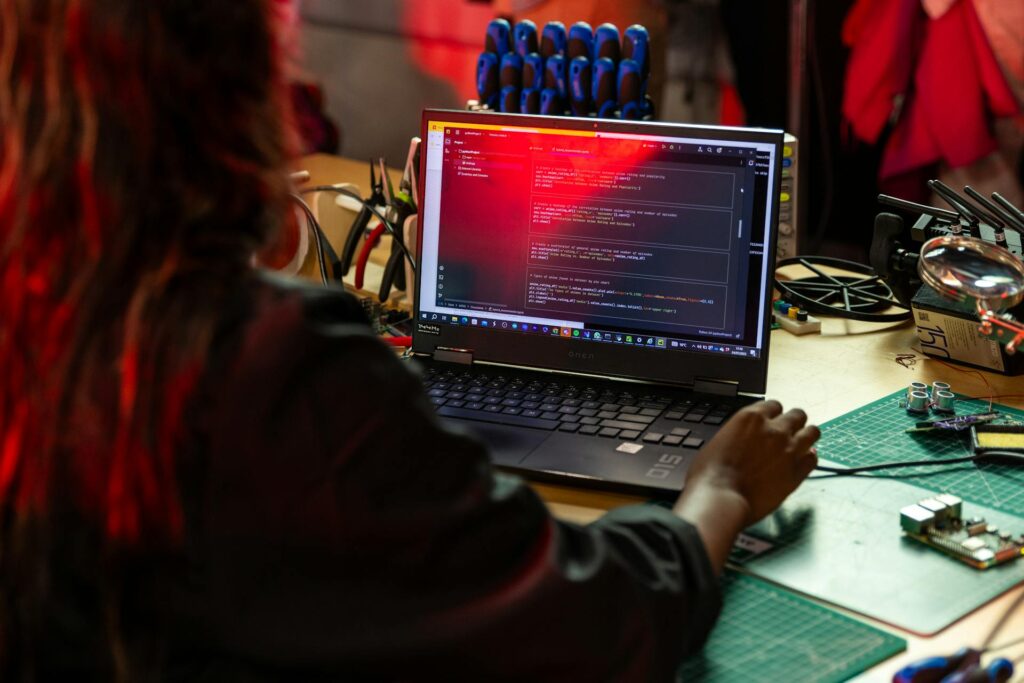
pixel 209 473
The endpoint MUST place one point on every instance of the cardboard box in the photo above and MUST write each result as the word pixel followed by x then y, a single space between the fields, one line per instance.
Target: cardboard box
pixel 949 330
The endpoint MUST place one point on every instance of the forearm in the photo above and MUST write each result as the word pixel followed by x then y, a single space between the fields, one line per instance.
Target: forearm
pixel 718 513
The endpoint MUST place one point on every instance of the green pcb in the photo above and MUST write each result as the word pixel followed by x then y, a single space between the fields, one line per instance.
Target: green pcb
pixel 769 634
pixel 876 433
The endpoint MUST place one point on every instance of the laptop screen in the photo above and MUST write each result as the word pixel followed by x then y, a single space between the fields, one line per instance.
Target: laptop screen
pixel 598 233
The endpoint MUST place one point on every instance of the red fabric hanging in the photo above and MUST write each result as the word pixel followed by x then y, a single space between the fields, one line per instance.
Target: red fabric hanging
pixel 944 70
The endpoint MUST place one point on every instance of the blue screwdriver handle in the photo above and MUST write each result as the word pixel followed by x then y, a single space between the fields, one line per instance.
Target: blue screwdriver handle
pixel 551 102
pixel 936 669
pixel 553 40
pixel 606 42
pixel 998 671
pixel 529 101
pixel 604 87
pixel 487 79
pixel 581 41
pixel 511 70
pixel 524 37
pixel 499 37
pixel 636 46
pixel 533 71
pixel 554 75
pixel 510 99
pixel 579 86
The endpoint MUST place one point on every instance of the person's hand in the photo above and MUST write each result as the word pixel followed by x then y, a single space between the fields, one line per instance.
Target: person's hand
pixel 757 459
pixel 761 453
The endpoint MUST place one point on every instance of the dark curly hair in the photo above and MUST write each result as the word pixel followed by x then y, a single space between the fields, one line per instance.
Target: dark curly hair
pixel 143 150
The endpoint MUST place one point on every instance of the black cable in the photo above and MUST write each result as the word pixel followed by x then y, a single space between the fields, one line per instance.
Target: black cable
pixel 982 456
pixel 894 465
pixel 373 209
pixel 317 234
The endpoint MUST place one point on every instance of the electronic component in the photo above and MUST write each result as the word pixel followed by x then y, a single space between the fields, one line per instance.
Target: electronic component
pixel 956 424
pixel 939 522
pixel 383 319
pixel 799 322
pixel 988 437
pixel 943 401
pixel 917 402
pixel 788 243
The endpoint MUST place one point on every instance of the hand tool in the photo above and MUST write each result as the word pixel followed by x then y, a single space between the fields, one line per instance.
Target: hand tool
pixel 553 40
pixel 533 71
pixel 606 42
pixel 604 87
pixel 499 37
pixel 355 232
pixel 487 79
pixel 579 85
pixel 581 40
pixel 525 37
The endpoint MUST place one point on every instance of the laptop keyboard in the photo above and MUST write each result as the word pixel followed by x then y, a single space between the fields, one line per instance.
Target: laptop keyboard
pixel 569 406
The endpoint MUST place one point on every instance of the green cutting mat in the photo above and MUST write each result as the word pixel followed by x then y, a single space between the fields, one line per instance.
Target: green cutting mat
pixel 768 634
pixel 874 434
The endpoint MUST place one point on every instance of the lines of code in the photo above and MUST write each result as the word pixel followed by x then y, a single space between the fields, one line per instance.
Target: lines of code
pixel 596 230
pixel 640 243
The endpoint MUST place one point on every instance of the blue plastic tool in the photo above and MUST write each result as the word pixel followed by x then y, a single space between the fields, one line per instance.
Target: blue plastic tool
pixel 553 40
pixel 629 83
pixel 579 86
pixel 529 101
pixel 604 87
pixel 487 79
pixel 533 71
pixel 964 666
pixel 606 42
pixel 555 76
pixel 524 37
pixel 581 41
pixel 510 99
pixel 551 102
pixel 636 44
pixel 499 37
pixel 511 70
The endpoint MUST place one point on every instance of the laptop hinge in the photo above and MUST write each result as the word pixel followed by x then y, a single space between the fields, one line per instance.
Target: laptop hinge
pixel 460 356
pixel 719 387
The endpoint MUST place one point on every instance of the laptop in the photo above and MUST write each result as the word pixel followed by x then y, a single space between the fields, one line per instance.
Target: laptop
pixel 593 296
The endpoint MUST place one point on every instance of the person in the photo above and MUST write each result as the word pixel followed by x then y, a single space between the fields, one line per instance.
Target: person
pixel 211 473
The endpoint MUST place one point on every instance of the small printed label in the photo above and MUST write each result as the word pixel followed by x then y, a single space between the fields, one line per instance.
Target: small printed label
pixel 631 448
pixel 747 547
pixel 426 328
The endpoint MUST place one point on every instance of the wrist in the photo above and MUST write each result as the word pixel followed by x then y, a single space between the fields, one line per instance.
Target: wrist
pixel 718 511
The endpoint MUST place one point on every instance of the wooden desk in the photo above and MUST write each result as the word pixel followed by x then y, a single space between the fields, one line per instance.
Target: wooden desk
pixel 848 365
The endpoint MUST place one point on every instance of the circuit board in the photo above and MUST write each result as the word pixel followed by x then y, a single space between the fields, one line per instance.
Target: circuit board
pixel 876 433
pixel 769 634
pixel 939 523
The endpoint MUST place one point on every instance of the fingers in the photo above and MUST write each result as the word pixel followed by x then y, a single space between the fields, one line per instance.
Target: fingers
pixel 792 421
pixel 805 438
pixel 770 409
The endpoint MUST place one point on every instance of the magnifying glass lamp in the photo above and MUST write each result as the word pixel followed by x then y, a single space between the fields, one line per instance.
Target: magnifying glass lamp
pixel 970 270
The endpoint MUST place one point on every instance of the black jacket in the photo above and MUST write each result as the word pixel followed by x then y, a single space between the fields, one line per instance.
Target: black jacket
pixel 337 531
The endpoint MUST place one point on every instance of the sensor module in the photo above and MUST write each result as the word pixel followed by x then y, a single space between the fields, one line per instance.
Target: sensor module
pixel 938 522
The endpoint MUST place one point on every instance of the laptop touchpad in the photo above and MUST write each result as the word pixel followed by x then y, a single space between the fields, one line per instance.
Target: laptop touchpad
pixel 508 446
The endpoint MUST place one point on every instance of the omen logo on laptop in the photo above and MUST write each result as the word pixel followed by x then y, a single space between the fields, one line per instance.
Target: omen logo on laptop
pixel 600 289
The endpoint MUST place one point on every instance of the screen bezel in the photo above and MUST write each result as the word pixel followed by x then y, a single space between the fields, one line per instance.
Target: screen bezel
pixel 668 366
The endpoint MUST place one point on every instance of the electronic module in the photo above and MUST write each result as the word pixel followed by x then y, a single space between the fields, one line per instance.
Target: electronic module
pixel 938 522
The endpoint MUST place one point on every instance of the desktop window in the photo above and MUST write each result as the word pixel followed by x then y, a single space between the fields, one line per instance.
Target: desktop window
pixel 614 237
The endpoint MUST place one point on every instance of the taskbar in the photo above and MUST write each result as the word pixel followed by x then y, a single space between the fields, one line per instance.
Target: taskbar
pixel 593 335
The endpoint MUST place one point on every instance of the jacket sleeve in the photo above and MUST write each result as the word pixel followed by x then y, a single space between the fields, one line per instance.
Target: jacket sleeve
pixel 348 531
